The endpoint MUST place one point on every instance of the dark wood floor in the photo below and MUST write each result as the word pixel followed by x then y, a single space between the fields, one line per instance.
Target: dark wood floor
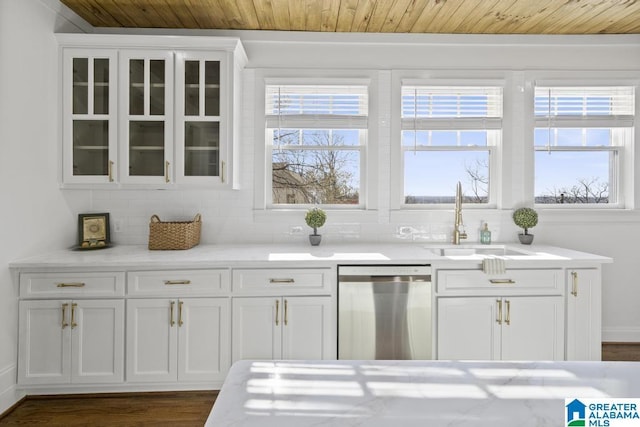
pixel 162 409
pixel 149 409
pixel 621 351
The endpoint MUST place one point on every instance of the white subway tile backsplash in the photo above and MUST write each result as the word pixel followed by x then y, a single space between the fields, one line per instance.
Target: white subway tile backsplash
pixel 228 217
pixel 110 204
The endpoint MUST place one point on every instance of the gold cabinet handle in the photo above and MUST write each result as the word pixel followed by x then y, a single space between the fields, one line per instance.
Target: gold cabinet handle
pixel 508 318
pixel 171 305
pixel 282 281
pixel 286 313
pixel 180 322
pixel 499 318
pixel 166 171
pixel 71 285
pixel 111 170
pixel 64 315
pixel 222 171
pixel 277 312
pixel 177 282
pixel 574 283
pixel 502 281
pixel 73 315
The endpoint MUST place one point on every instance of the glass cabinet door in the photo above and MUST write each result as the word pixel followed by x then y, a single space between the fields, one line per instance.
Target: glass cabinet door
pixel 89 116
pixel 199 117
pixel 147 111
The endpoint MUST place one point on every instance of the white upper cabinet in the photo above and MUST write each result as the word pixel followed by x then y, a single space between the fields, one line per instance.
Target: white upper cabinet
pixel 200 118
pixel 161 116
pixel 146 110
pixel 89 127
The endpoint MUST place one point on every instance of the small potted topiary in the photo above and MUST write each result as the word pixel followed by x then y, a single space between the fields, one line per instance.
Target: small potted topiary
pixel 315 218
pixel 525 218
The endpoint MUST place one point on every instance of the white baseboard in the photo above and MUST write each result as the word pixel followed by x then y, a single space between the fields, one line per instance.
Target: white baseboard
pixel 9 394
pixel 621 335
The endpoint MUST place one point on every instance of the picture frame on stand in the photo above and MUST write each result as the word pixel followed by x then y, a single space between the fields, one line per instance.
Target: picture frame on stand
pixel 94 231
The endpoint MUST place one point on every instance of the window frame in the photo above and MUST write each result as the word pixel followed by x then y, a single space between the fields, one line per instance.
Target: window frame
pixel 621 168
pixel 368 193
pixel 494 148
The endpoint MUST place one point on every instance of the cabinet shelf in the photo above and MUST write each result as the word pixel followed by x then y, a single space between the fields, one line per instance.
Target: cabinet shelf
pixel 96 84
pixel 141 85
pixel 90 117
pixel 197 85
pixel 91 147
pixel 147 147
pixel 202 148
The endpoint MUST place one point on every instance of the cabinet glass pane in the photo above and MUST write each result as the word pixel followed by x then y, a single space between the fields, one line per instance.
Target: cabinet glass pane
pixel 101 86
pixel 212 88
pixel 146 148
pixel 202 142
pixel 90 147
pixel 80 85
pixel 156 91
pixel 136 86
pixel 191 88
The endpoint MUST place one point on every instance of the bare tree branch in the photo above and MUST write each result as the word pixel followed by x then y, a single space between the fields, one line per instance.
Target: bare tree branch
pixel 587 190
pixel 478 175
pixel 320 175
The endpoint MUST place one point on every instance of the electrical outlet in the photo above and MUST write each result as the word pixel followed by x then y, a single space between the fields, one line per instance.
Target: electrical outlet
pixel 405 230
pixel 117 226
pixel 296 230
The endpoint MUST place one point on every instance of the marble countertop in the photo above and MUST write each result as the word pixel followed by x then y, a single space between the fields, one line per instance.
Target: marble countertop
pixel 202 256
pixel 414 393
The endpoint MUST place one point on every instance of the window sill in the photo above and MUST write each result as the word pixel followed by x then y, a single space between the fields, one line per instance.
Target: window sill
pixel 267 216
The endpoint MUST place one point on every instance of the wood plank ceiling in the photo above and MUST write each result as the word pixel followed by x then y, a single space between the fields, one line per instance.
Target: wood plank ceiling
pixel 372 16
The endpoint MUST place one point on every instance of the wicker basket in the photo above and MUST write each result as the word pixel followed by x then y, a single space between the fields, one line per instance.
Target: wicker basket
pixel 171 235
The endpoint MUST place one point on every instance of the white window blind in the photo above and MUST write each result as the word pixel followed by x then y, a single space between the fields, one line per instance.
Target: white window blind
pixel 447 107
pixel 317 106
pixel 593 106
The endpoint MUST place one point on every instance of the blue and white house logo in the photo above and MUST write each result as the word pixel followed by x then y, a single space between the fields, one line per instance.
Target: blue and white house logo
pixel 575 413
pixel 605 412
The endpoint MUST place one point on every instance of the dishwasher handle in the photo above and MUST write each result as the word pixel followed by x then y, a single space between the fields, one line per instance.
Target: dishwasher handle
pixel 385 279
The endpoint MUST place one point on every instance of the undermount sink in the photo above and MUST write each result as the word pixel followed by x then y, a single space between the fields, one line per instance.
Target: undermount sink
pixel 469 250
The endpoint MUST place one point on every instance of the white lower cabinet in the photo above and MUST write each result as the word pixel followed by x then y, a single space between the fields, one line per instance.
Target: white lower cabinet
pixel 71 341
pixel 494 328
pixel 172 340
pixel 584 313
pixel 185 327
pixel 282 328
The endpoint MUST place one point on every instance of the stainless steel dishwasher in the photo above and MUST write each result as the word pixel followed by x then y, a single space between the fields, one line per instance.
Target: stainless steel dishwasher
pixel 384 312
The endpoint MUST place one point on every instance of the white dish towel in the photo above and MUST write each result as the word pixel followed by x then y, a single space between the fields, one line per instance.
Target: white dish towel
pixel 493 266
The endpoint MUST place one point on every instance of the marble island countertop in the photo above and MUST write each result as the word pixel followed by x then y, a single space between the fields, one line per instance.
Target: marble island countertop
pixel 414 393
pixel 131 256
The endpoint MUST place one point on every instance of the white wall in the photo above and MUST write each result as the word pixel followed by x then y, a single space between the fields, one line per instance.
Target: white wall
pixel 34 214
